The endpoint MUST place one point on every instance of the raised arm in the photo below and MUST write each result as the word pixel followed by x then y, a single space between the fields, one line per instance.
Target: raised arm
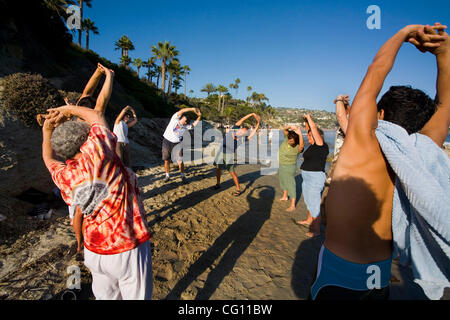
pixel 47 130
pixel 314 130
pixel 258 121
pixel 363 118
pixel 199 116
pixel 105 93
pixel 341 111
pixel 301 145
pixel 135 119
pixel 122 115
pixel 89 115
pixel 185 110
pixel 92 83
pixel 437 127
pixel 240 122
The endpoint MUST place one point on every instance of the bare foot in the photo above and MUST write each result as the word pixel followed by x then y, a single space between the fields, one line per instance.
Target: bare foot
pixel 284 199
pixel 312 235
pixel 290 209
pixel 305 223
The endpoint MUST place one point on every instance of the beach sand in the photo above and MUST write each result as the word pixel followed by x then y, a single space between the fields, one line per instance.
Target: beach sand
pixel 207 244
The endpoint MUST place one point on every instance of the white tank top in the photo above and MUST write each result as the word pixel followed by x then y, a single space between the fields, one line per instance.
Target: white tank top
pixel 121 131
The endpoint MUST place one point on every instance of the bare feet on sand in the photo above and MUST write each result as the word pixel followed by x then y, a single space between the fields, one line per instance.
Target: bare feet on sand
pixel 305 223
pixel 290 209
pixel 284 199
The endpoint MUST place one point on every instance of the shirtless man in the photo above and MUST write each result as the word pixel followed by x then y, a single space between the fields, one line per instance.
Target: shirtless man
pixel 359 202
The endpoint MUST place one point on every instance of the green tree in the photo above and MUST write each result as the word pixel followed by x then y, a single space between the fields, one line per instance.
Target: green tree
pixel 173 69
pixel 186 71
pixel 166 52
pixel 88 26
pixel 81 4
pixel 177 83
pixel 222 90
pixel 209 88
pixel 138 63
pixel 258 98
pixel 249 89
pixel 236 85
pixel 59 6
pixel 125 61
pixel 124 44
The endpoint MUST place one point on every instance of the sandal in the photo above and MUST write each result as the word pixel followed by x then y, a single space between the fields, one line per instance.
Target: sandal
pixel 237 193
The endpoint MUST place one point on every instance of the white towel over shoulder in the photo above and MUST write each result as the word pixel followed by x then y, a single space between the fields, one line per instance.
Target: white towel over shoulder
pixel 421 207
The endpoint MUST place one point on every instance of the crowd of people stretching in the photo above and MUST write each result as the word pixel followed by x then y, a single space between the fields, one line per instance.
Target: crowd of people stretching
pixel 385 196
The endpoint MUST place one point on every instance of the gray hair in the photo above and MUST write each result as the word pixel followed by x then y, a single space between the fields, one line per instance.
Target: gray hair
pixel 68 138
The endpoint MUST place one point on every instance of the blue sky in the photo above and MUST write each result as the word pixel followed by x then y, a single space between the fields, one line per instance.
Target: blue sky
pixel 298 53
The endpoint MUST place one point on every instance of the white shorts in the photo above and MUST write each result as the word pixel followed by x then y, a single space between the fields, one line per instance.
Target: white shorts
pixel 123 276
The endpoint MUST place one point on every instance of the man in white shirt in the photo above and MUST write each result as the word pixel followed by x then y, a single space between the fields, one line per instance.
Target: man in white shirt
pixel 173 136
pixel 126 119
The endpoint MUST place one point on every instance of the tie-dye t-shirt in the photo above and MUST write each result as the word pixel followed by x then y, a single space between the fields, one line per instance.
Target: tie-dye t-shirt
pixel 106 192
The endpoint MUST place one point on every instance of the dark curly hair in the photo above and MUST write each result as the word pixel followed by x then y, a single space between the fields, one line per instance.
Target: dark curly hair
pixel 407 107
pixel 87 102
pixel 293 135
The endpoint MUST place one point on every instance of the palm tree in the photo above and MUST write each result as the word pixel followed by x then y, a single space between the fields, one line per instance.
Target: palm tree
pixel 174 69
pixel 158 74
pixel 166 52
pixel 177 83
pixel 81 3
pixel 258 97
pixel 138 63
pixel 209 88
pixel 186 71
pixel 191 92
pixel 249 89
pixel 59 5
pixel 222 90
pixel 236 85
pixel 124 44
pixel 125 61
pixel 88 26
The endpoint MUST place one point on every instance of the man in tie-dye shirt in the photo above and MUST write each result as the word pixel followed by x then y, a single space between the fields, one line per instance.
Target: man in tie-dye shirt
pixel 116 236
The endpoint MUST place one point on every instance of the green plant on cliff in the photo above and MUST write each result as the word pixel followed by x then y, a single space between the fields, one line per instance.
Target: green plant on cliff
pixel 27 95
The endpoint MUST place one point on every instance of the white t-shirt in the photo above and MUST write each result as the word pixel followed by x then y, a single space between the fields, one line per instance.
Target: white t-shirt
pixel 121 131
pixel 175 131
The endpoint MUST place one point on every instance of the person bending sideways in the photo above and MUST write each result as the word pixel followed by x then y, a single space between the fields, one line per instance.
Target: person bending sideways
pixel 111 215
pixel 172 139
pixel 313 175
pixel 126 119
pixel 86 100
pixel 291 147
pixel 225 159
pixel 355 260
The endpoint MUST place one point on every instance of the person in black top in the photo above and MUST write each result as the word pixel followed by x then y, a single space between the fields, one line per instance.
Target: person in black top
pixel 238 134
pixel 313 174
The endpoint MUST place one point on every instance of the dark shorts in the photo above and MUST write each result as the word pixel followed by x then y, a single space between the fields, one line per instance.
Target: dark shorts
pixel 167 148
pixel 225 163
pixel 124 153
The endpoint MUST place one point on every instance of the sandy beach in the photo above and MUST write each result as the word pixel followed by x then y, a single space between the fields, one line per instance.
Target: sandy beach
pixel 207 244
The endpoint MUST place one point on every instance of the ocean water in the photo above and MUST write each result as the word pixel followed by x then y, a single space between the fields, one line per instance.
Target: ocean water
pixel 448 138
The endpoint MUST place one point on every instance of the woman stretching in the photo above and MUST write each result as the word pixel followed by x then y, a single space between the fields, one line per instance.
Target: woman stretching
pixel 291 147
pixel 313 174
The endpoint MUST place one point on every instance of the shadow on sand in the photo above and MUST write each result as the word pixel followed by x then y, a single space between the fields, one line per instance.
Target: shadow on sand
pixel 195 197
pixel 231 244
